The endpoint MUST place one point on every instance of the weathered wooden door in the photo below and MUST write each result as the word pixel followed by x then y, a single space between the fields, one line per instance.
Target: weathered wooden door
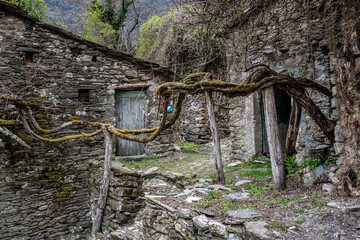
pixel 283 110
pixel 129 111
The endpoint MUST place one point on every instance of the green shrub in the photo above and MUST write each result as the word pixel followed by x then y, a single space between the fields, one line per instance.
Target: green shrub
pixel 36 8
pixel 292 166
pixel 312 162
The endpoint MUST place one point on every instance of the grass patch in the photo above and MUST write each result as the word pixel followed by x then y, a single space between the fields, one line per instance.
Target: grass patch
pixel 256 189
pixel 278 225
pixel 251 164
pixel 188 146
pixel 292 166
pixel 216 201
pixel 208 176
pixel 256 173
pixel 297 223
pixel 144 163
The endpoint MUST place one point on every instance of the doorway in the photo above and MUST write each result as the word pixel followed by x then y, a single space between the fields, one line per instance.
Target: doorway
pixel 130 114
pixel 283 111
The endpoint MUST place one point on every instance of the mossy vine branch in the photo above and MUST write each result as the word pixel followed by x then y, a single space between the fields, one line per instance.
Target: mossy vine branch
pixel 193 84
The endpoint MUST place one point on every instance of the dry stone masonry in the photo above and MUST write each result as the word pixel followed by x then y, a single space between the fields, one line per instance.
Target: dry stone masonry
pixel 281 39
pixel 45 191
pixel 124 200
pixel 160 221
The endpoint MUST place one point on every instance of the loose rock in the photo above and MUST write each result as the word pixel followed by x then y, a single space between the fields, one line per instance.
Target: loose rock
pixel 258 229
pixel 243 213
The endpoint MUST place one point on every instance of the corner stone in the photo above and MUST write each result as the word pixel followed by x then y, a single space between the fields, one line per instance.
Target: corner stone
pixel 201 222
pixel 258 229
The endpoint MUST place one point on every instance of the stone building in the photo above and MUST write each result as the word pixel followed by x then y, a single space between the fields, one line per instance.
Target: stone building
pixel 290 41
pixel 47 192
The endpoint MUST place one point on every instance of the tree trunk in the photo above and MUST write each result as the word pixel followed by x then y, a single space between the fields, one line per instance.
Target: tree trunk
pixel 293 129
pixel 105 182
pixel 215 137
pixel 349 101
pixel 347 83
pixel 276 153
pixel 326 125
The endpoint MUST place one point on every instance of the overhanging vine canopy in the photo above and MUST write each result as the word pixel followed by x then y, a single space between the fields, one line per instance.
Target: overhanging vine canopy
pixel 196 83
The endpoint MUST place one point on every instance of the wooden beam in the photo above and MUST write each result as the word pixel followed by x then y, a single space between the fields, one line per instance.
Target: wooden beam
pixel 104 188
pixel 276 153
pixel 215 137
pixel 293 129
pixel 13 136
pixel 133 87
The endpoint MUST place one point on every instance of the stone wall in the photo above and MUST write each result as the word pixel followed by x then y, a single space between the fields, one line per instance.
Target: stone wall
pixel 164 222
pixel 288 38
pixel 123 200
pixel 45 190
pixel 194 125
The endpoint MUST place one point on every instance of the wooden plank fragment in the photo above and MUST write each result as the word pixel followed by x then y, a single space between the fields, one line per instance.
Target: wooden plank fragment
pixel 104 188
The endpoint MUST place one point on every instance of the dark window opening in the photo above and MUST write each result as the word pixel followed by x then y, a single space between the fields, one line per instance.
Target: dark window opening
pixel 29 58
pixel 94 58
pixel 84 95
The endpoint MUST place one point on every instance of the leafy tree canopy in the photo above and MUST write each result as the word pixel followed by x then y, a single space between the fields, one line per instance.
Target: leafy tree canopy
pixel 36 8
pixel 173 40
pixel 104 21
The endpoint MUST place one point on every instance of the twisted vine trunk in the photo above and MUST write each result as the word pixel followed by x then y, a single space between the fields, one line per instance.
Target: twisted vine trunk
pixel 349 100
pixel 348 93
pixel 105 182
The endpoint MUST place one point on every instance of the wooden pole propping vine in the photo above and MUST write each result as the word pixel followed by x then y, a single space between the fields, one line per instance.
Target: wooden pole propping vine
pixel 105 182
pixel 215 137
pixel 272 131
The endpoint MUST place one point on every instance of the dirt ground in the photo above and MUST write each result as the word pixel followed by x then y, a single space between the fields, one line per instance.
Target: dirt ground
pixel 296 213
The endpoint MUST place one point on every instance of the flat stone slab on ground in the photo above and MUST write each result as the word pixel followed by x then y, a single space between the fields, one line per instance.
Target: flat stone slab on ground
pixel 208 214
pixel 154 196
pixel 234 164
pixel 192 199
pixel 216 187
pixel 151 172
pixel 237 196
pixel 205 180
pixel 206 190
pixel 243 213
pixel 241 182
pixel 258 229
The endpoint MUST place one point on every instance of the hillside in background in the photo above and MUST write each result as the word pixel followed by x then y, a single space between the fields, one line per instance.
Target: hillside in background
pixel 69 12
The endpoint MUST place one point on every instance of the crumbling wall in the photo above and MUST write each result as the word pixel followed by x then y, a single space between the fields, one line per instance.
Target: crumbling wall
pixel 124 197
pixel 45 190
pixel 194 125
pixel 289 37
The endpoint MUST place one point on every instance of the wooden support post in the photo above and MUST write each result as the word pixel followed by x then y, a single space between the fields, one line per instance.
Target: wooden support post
pixel 293 129
pixel 105 182
pixel 276 153
pixel 215 137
